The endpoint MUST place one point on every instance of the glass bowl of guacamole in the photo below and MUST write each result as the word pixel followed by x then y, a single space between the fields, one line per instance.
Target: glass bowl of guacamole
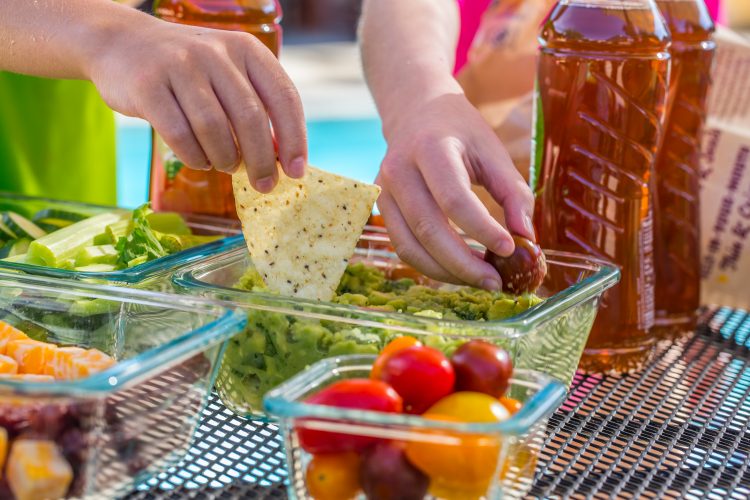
pixel 380 298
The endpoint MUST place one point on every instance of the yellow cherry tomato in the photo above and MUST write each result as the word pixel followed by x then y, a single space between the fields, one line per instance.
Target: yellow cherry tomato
pixel 466 468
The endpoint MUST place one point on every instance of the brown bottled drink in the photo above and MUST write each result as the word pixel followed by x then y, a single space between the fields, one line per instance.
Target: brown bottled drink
pixel 601 98
pixel 677 222
pixel 174 186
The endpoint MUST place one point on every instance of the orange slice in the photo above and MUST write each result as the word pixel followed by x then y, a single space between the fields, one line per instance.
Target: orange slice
pixel 88 363
pixel 31 355
pixel 8 366
pixel 60 366
pixel 9 333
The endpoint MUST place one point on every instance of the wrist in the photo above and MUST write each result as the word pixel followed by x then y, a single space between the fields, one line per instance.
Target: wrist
pixel 105 29
pixel 404 98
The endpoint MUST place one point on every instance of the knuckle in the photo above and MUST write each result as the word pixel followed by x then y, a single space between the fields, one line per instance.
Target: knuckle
pixel 425 230
pixel 452 201
pixel 253 114
pixel 227 160
pixel 389 170
pixel 209 123
pixel 176 132
pixel 287 92
pixel 406 253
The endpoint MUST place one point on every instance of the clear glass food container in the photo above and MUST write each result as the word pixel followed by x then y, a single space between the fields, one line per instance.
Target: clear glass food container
pixel 286 335
pixel 104 433
pixel 460 460
pixel 142 275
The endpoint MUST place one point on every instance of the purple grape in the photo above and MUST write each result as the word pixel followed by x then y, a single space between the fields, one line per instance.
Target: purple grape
pixel 387 474
pixel 48 421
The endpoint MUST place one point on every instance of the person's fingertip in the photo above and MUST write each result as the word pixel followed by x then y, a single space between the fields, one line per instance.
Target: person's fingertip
pixel 265 185
pixel 528 225
pixel 506 247
pixel 490 284
pixel 296 168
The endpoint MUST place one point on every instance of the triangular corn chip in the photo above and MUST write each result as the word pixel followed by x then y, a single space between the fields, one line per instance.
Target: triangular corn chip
pixel 301 235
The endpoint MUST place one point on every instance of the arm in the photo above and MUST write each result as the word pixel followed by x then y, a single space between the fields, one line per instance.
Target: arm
pixel 201 89
pixel 438 146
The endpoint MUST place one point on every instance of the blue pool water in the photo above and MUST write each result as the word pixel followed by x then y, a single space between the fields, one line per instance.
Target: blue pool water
pixel 348 147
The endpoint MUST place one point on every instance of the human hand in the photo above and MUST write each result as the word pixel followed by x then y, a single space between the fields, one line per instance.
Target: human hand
pixel 437 150
pixel 208 93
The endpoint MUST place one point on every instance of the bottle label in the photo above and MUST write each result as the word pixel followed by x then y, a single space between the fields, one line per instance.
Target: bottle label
pixel 537 140
pixel 646 280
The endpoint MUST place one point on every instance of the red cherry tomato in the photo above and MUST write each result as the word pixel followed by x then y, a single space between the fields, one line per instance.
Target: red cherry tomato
pixel 361 394
pixel 420 375
pixel 395 345
pixel 482 367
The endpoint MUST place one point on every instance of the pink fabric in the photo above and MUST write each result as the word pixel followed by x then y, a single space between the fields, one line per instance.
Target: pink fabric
pixel 471 15
pixel 714 8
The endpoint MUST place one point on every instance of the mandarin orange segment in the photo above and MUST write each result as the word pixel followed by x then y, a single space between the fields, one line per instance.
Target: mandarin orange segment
pixel 92 361
pixel 9 333
pixel 60 366
pixel 37 469
pixel 31 355
pixel 8 365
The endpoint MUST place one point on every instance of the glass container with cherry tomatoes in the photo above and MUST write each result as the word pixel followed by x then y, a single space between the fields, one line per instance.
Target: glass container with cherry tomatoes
pixel 413 424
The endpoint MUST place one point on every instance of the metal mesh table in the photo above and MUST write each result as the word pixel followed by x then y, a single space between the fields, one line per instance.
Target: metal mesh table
pixel 679 429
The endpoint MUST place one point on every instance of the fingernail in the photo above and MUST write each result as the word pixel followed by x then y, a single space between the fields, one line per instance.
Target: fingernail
pixel 490 284
pixel 265 185
pixel 506 248
pixel 529 225
pixel 297 168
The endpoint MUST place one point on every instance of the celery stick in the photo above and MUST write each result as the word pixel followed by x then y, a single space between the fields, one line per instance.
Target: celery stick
pixel 104 239
pixel 16 258
pixel 101 254
pixel 138 261
pixel 193 240
pixel 168 223
pixel 119 229
pixel 56 248
pixel 97 268
pixel 170 242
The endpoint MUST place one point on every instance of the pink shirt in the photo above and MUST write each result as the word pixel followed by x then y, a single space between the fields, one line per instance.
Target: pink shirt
pixel 471 15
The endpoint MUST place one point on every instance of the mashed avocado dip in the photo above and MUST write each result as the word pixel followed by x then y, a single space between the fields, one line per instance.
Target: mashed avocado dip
pixel 275 346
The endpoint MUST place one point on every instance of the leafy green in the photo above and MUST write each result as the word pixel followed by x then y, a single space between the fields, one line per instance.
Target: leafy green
pixel 142 241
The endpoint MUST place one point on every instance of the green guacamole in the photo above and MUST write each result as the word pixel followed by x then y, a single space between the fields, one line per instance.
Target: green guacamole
pixel 275 346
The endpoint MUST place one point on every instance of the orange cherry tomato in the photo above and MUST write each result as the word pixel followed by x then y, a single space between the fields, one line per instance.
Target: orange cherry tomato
pixel 510 404
pixel 333 476
pixel 395 345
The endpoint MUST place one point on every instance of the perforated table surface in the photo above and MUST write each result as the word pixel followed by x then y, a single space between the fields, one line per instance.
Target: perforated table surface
pixel 679 429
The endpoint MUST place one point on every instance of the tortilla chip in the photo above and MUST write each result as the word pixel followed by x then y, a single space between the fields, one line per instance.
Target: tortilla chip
pixel 301 235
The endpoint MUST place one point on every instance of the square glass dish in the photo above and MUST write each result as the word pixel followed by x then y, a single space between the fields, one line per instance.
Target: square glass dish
pixel 455 459
pixel 27 206
pixel 285 335
pixel 98 435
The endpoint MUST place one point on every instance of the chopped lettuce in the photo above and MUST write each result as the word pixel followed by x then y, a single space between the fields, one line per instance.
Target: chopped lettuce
pixel 142 241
